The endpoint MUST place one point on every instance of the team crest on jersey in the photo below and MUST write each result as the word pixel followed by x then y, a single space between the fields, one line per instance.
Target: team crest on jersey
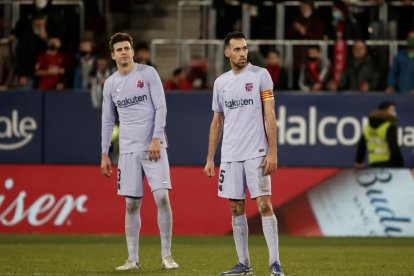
pixel 249 87
pixel 140 84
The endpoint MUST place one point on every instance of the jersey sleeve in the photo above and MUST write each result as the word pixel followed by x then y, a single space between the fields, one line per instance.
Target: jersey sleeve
pixel 216 107
pixel 108 117
pixel 266 86
pixel 160 105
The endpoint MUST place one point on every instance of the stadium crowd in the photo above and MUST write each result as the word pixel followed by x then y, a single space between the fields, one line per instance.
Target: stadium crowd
pixel 43 53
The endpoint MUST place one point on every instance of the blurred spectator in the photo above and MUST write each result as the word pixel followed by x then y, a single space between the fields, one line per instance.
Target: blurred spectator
pixel 380 139
pixel 306 25
pixel 228 17
pixel 85 62
pixel 97 79
pixel 344 25
pixel 401 73
pixel 198 72
pixel 179 81
pixel 276 70
pixel 50 66
pixel 37 9
pixel 314 72
pixel 360 73
pixel 29 46
pixel 142 54
pixel 6 65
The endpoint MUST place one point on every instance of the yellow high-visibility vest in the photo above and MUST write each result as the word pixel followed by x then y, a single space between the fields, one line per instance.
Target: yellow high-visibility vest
pixel 377 145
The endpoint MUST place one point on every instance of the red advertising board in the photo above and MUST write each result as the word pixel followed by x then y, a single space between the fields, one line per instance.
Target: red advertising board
pixel 78 199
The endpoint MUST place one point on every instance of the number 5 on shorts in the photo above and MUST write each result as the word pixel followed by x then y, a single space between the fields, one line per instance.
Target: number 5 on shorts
pixel 221 179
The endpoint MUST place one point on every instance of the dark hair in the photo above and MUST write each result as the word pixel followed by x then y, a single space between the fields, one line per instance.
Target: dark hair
pixel 177 71
pixel 141 46
pixel 385 105
pixel 119 37
pixel 233 35
pixel 274 51
pixel 316 47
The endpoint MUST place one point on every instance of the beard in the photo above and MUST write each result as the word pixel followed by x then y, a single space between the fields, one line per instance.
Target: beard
pixel 240 64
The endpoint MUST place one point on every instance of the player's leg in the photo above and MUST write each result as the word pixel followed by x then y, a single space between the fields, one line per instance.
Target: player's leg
pixel 158 175
pixel 130 185
pixel 232 186
pixel 260 188
pixel 164 218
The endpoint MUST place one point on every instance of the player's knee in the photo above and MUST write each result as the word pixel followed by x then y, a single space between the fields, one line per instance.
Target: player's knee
pixel 237 208
pixel 264 207
pixel 132 206
pixel 163 202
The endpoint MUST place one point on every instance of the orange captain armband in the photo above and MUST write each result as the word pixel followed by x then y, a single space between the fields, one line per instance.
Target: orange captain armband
pixel 266 95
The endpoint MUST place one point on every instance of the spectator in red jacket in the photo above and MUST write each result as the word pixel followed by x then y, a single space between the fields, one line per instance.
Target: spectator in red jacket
pixel 50 66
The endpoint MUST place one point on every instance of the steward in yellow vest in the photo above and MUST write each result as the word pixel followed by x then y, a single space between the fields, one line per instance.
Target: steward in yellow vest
pixel 379 141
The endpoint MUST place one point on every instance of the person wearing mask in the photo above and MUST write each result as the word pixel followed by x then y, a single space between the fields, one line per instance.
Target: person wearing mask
pixel 379 139
pixel 314 72
pixel 401 74
pixel 84 64
pixel 50 66
pixel 29 46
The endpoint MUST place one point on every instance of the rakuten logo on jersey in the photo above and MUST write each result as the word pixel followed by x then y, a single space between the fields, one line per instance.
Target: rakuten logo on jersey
pixel 46 208
pixel 12 129
pixel 232 104
pixel 131 101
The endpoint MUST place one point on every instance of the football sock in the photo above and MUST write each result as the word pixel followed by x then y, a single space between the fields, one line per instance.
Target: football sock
pixel 132 227
pixel 270 232
pixel 241 236
pixel 164 220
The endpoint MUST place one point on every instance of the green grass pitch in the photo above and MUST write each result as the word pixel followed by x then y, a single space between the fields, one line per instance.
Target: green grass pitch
pixel 203 255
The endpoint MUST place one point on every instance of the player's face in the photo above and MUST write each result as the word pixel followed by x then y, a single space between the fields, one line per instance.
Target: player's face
pixel 237 53
pixel 123 53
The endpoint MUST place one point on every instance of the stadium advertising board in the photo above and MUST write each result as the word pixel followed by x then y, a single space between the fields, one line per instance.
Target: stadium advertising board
pixel 21 127
pixel 308 201
pixel 314 130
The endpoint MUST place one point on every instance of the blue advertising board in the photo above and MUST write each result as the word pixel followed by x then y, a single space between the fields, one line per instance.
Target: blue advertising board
pixel 21 136
pixel 313 129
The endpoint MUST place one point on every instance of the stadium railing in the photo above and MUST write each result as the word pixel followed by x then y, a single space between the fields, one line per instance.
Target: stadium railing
pixel 212 50
pixel 208 14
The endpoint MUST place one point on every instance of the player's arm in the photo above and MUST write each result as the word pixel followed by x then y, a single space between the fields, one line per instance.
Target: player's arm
pixel 158 98
pixel 216 130
pixel 108 121
pixel 270 162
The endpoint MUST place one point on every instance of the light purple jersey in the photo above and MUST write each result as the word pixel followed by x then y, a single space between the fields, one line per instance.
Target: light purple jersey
pixel 239 97
pixel 140 101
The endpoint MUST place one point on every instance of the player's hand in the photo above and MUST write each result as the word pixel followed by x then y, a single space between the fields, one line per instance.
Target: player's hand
pixel 209 168
pixel 154 150
pixel 269 163
pixel 106 165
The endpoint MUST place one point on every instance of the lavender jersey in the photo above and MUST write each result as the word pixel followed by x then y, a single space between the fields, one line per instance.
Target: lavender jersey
pixel 140 101
pixel 239 97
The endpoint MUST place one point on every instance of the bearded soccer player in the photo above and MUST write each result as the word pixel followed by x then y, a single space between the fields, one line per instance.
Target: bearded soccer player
pixel 136 92
pixel 243 106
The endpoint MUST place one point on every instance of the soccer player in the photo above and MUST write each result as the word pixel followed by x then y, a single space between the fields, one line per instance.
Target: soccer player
pixel 136 92
pixel 243 106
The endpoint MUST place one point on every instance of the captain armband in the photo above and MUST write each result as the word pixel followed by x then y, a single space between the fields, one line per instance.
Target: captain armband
pixel 266 95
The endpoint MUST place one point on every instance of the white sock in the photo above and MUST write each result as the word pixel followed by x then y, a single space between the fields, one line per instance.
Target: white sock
pixel 241 237
pixel 132 227
pixel 164 220
pixel 270 232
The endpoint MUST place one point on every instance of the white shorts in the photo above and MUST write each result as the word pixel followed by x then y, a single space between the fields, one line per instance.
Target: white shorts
pixel 235 177
pixel 132 167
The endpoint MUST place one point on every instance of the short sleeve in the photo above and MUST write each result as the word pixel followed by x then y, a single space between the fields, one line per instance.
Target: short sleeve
pixel 217 107
pixel 266 86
